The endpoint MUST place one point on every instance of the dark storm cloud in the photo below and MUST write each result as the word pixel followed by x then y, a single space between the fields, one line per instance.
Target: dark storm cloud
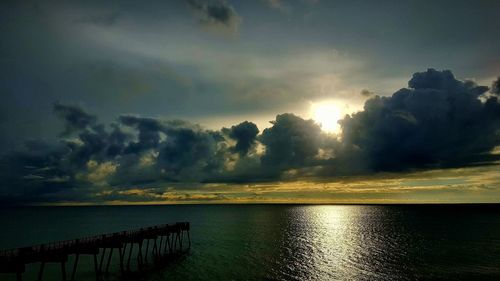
pixel 149 132
pixel 184 150
pixel 116 141
pixel 438 120
pixel 215 13
pixel 141 151
pixel 129 152
pixel 190 153
pixel 245 135
pixel 291 141
pixel 75 118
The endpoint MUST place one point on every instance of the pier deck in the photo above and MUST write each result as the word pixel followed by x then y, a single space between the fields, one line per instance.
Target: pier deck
pixel 161 239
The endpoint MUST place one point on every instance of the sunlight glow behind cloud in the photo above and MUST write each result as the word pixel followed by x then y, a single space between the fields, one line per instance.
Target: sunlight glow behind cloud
pixel 327 114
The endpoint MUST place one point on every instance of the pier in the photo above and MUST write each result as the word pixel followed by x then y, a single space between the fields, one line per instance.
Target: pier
pixel 153 242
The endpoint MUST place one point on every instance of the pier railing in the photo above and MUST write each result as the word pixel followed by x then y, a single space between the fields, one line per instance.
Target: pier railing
pixel 165 239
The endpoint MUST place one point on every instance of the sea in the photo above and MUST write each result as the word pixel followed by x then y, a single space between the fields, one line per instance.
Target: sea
pixel 281 242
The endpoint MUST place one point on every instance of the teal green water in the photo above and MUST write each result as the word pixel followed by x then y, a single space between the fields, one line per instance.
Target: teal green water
pixel 286 242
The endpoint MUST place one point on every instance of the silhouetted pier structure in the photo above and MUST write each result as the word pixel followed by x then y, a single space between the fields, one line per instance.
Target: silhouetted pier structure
pixel 159 241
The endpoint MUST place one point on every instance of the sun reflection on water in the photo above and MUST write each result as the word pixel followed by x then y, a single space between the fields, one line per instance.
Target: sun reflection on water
pixel 336 242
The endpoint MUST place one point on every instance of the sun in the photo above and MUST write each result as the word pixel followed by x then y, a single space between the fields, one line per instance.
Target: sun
pixel 327 114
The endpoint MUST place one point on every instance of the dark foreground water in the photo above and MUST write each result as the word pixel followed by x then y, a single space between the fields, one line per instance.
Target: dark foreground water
pixel 287 242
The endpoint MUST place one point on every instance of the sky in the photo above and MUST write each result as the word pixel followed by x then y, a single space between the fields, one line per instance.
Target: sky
pixel 270 101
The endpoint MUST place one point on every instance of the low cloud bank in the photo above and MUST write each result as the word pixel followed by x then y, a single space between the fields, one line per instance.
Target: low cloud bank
pixel 437 121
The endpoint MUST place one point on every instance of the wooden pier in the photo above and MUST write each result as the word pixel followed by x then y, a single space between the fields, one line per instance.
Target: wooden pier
pixel 155 241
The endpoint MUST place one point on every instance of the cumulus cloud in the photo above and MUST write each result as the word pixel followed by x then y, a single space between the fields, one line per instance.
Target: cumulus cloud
pixel 438 120
pixel 291 141
pixel 192 154
pixel 148 132
pixel 245 135
pixel 216 14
